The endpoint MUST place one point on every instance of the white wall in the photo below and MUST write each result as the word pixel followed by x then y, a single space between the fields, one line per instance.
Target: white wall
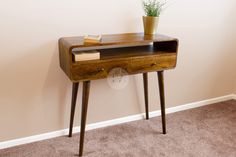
pixel 35 93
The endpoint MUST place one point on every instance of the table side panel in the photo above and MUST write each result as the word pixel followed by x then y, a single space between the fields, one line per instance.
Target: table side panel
pixel 65 57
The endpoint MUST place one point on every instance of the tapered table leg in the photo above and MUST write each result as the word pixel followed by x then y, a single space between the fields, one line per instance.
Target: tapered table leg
pixel 73 105
pixel 162 99
pixel 86 87
pixel 145 83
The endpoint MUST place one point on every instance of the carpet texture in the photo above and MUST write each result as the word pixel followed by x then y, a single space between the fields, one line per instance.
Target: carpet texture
pixel 208 131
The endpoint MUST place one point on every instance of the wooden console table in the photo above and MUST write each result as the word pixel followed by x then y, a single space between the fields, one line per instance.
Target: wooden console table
pixel 133 52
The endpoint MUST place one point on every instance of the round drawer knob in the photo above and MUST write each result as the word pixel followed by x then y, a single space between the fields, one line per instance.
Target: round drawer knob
pixel 101 69
pixel 153 64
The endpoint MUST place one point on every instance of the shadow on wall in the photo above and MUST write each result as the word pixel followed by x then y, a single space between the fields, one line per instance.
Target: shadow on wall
pixel 55 91
pixel 33 85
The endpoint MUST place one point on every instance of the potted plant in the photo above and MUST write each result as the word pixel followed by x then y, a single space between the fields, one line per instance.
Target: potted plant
pixel 152 9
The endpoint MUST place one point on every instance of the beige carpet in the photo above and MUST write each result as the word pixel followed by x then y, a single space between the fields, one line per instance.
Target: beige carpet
pixel 208 131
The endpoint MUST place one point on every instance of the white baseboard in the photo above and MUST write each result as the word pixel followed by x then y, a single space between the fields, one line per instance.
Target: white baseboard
pixel 25 140
pixel 234 96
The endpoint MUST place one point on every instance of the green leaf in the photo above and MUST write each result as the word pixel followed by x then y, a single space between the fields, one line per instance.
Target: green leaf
pixel 153 7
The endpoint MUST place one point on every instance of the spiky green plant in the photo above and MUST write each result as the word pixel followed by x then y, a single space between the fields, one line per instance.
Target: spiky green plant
pixel 153 7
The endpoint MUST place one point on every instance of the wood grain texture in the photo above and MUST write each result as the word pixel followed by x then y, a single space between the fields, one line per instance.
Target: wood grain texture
pixel 73 105
pixel 115 40
pixel 85 98
pixel 134 52
pixel 145 87
pixel 160 75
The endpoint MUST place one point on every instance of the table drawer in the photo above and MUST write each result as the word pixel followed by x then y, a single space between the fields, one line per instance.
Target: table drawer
pixel 99 69
pixel 152 63
pixel 96 70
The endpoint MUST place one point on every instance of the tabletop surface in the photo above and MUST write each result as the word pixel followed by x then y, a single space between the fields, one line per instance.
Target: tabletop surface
pixel 127 39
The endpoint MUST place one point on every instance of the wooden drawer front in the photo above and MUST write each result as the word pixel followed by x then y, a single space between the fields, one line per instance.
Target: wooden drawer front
pixel 96 70
pixel 152 63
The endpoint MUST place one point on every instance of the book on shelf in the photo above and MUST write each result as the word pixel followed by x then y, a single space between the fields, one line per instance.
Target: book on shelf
pixel 92 39
pixel 86 55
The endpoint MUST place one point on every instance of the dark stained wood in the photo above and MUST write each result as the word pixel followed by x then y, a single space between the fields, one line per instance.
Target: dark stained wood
pixel 139 64
pixel 135 50
pixel 149 63
pixel 73 105
pixel 162 99
pixel 145 83
pixel 65 56
pixel 127 52
pixel 170 46
pixel 115 40
pixel 85 98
